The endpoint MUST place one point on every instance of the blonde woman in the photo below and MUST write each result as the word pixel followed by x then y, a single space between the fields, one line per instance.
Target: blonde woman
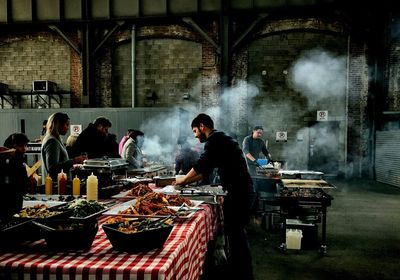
pixel 54 154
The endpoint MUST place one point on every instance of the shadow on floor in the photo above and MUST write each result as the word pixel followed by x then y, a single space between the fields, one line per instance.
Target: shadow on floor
pixel 363 237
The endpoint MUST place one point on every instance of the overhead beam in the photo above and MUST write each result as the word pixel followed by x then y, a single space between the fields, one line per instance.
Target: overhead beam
pixel 202 33
pixel 248 30
pixel 109 33
pixel 69 41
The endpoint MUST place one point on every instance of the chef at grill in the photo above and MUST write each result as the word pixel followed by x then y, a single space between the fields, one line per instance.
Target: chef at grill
pixel 253 146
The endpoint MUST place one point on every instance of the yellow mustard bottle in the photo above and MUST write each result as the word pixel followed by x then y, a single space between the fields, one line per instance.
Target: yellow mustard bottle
pixel 48 185
pixel 76 186
pixel 92 188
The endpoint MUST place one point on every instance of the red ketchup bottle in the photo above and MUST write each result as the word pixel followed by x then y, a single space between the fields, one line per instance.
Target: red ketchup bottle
pixel 62 187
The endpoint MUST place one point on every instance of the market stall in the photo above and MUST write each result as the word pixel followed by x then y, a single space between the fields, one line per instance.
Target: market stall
pixel 181 256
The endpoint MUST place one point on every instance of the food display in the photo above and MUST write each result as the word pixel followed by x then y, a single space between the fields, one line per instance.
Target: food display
pixel 147 208
pixel 156 204
pixel 138 235
pixel 302 192
pixel 55 197
pixel 178 200
pixel 115 220
pixel 38 211
pixel 82 208
pixel 131 227
pixel 139 190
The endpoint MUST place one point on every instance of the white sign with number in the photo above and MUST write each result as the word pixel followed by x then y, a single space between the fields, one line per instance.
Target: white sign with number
pixel 76 129
pixel 322 116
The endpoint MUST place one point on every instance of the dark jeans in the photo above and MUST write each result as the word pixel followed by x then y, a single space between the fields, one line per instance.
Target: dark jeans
pixel 237 209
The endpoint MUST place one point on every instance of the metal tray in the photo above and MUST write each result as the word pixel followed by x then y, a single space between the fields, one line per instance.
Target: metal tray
pixel 105 162
pixel 115 210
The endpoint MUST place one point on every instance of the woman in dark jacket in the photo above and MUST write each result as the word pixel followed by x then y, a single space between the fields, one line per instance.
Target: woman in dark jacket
pixel 13 177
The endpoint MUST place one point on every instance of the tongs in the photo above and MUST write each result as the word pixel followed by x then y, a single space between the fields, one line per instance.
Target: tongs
pixel 156 223
pixel 47 228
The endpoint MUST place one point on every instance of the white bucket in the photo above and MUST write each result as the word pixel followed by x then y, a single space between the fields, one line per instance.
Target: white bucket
pixel 293 239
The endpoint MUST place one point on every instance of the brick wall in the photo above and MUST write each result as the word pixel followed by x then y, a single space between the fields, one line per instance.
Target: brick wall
pixel 357 102
pixel 169 68
pixel 39 56
pixel 171 62
pixel 279 106
pixel 393 101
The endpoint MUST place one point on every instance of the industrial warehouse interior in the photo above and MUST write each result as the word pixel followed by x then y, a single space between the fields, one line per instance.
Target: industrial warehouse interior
pixel 318 81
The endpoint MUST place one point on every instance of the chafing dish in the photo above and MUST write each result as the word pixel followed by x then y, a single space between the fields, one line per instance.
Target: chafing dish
pixel 105 164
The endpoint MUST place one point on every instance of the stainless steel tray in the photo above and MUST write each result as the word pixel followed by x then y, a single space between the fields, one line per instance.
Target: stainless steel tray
pixel 110 163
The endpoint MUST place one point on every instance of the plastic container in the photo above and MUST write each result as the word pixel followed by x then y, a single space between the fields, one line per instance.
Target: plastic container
pixel 48 185
pixel 62 183
pixel 293 239
pixel 76 186
pixel 92 188
pixel 262 161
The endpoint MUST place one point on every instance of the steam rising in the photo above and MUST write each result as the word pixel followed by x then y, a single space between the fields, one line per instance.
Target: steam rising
pixel 162 132
pixel 318 75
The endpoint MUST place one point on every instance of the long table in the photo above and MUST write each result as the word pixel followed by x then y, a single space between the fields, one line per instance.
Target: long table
pixel 181 257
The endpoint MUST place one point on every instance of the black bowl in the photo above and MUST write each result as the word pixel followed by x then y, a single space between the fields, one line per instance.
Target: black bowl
pixel 15 232
pixel 70 234
pixel 139 241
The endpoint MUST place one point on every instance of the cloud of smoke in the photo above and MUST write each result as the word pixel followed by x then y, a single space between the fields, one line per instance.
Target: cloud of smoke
pixel 318 75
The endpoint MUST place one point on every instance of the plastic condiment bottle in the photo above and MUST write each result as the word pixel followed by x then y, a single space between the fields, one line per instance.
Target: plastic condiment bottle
pixel 62 183
pixel 92 187
pixel 48 185
pixel 76 186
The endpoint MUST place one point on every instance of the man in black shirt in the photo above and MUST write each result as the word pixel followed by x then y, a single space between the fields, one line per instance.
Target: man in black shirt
pixel 224 153
pixel 253 146
pixel 93 139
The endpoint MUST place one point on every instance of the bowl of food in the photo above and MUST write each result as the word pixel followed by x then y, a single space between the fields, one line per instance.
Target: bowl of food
pixel 138 235
pixel 42 212
pixel 68 234
pixel 15 232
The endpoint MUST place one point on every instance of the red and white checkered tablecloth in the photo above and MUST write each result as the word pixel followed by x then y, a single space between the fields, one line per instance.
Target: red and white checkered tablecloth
pixel 181 257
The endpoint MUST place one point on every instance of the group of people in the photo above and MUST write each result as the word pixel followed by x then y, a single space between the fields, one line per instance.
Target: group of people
pixel 94 141
pixel 221 152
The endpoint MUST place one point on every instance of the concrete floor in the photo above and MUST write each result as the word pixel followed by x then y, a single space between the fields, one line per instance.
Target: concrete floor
pixel 363 235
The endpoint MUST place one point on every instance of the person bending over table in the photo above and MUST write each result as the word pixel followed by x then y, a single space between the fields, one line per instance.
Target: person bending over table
pixel 224 153
pixel 14 180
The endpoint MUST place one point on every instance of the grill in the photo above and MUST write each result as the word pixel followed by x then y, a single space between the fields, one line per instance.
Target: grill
pixel 308 204
pixel 302 200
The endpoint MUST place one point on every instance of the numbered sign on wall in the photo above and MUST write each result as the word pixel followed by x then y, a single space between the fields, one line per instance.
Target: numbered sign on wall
pixel 322 116
pixel 281 136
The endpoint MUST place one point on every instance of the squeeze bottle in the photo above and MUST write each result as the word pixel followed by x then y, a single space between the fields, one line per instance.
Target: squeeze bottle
pixel 62 182
pixel 92 188
pixel 48 185
pixel 76 186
